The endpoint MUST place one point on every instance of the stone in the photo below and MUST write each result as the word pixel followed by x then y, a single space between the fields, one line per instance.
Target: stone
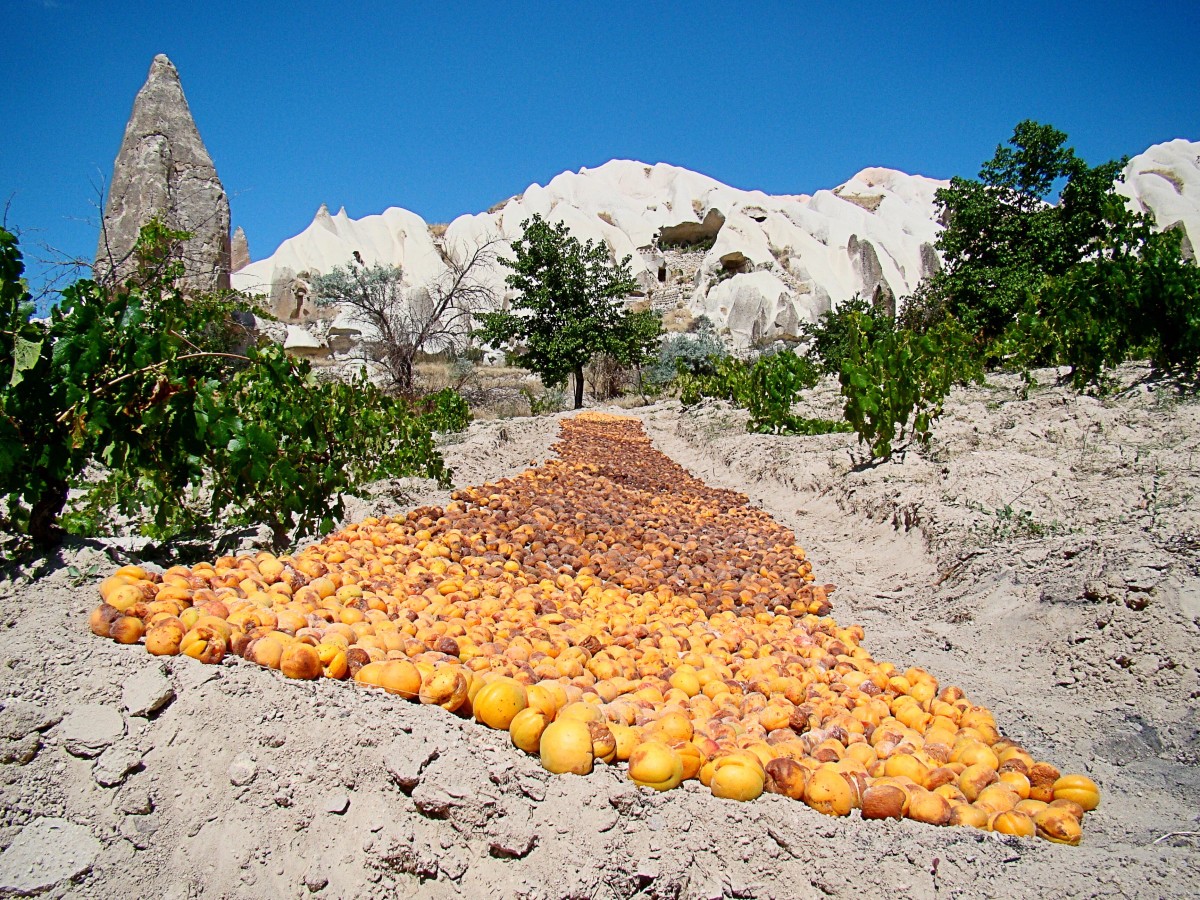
pixel 336 803
pixel 405 758
pixel 135 801
pixel 139 830
pixel 242 770
pixel 115 764
pixel 47 851
pixel 875 235
pixel 875 289
pixel 303 343
pixel 147 692
pixel 88 730
pixel 315 880
pixel 19 719
pixel 21 751
pixel 239 251
pixel 512 836
pixel 163 170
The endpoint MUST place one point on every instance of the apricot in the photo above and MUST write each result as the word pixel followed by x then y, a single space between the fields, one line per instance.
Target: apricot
pixel 966 814
pixel 1079 789
pixel 164 637
pixel 203 644
pixel 266 651
pixel 102 618
pixel 1012 822
pixel 300 660
pixel 126 630
pixel 884 801
pixel 604 744
pixel 654 764
pixel 396 676
pixel 526 729
pixel 445 687
pixel 974 779
pixel 498 702
pixel 827 792
pixel 566 746
pixel 928 807
pixel 997 797
pixel 737 782
pixel 1058 825
pixel 626 737
pixel 787 777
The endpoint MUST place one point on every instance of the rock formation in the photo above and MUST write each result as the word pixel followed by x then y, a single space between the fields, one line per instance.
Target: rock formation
pixel 239 253
pixel 758 265
pixel 164 170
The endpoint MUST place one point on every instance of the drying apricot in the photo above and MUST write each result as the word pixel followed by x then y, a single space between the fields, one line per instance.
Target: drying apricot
pixel 526 729
pixel 1078 788
pixel 606 605
pixel 497 703
pixel 566 746
pixel 828 792
pixel 654 764
pixel 1058 825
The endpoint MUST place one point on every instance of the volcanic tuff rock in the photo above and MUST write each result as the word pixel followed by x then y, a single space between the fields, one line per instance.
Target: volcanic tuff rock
pixel 239 254
pixel 758 265
pixel 164 170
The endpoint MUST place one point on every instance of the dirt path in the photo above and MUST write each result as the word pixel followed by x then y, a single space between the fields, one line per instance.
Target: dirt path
pixel 1072 615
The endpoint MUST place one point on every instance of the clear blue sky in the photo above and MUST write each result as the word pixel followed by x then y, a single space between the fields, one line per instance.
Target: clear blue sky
pixel 446 108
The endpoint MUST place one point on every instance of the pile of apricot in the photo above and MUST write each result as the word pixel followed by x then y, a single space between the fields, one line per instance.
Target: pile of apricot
pixel 608 607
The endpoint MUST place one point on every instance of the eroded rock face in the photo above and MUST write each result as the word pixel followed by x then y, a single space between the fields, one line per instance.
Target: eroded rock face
pixel 164 170
pixel 239 254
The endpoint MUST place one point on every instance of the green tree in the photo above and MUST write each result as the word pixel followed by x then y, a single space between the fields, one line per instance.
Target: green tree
pixel 139 381
pixel 1003 237
pixel 567 308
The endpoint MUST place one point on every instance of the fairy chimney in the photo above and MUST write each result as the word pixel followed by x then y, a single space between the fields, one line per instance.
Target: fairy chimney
pixel 240 254
pixel 164 170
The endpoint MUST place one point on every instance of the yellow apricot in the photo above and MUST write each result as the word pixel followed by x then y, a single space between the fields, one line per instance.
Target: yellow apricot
pixel 828 792
pixel 526 729
pixel 497 703
pixel 1078 788
pixel 654 764
pixel 566 746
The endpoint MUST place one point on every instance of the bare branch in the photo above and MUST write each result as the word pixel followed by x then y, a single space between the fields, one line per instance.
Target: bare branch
pixel 433 317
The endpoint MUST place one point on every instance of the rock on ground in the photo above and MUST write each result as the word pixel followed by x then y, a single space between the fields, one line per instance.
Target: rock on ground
pixel 45 852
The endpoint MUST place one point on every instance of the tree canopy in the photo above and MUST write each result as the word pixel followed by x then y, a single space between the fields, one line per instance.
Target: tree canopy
pixel 567 309
pixel 1004 237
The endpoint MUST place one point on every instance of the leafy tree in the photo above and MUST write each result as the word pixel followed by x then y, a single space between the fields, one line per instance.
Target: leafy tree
pixel 567 308
pixel 767 388
pixel 1003 238
pixel 139 380
pixel 895 380
pixel 1139 298
pixel 828 339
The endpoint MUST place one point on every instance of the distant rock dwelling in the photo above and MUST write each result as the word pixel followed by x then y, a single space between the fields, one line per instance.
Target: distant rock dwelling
pixel 164 170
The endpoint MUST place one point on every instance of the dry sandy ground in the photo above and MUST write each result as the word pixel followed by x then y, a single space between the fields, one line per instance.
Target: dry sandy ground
pixel 1043 554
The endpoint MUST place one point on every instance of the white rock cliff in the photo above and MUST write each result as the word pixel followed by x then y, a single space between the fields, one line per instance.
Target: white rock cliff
pixel 757 264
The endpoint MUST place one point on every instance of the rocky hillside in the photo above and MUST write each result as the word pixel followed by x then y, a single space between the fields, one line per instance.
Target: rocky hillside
pixel 756 264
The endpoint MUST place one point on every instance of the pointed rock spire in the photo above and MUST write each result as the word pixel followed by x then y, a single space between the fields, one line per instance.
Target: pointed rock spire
pixel 164 170
pixel 239 253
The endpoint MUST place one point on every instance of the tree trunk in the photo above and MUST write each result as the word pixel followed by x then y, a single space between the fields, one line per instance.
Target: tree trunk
pixel 43 517
pixel 579 387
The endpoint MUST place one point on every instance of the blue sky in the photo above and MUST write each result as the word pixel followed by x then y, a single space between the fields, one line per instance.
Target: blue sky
pixel 446 108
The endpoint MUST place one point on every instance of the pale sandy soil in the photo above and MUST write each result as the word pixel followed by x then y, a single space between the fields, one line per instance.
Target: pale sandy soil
pixel 1043 554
